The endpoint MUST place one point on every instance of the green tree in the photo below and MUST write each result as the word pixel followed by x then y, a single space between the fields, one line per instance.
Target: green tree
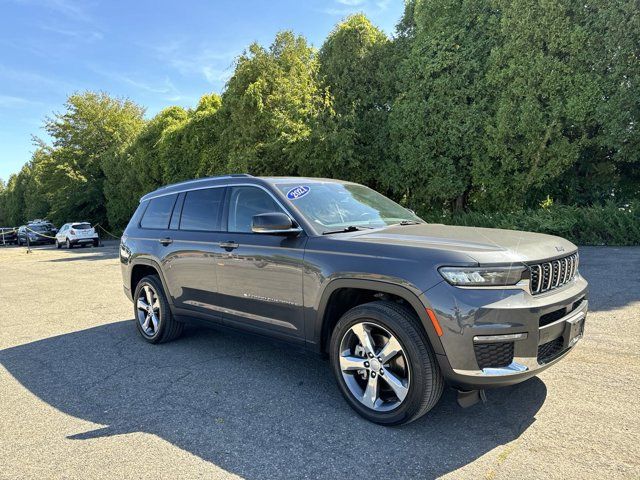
pixel 87 139
pixel 438 118
pixel 189 147
pixel 565 78
pixel 267 108
pixel 350 137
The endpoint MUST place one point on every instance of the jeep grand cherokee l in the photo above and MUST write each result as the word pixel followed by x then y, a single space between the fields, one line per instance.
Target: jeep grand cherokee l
pixel 401 306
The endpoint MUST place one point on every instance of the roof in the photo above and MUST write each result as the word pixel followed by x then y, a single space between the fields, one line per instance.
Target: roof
pixel 229 179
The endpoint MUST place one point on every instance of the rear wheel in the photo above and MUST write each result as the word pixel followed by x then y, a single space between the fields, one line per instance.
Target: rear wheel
pixel 384 364
pixel 68 243
pixel 154 319
pixel 96 243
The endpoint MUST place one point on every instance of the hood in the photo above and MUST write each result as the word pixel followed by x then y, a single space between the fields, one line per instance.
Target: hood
pixel 483 245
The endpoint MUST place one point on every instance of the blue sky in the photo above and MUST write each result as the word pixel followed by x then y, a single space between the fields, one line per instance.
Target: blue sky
pixel 158 53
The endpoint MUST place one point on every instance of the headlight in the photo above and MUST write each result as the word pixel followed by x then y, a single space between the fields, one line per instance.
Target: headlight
pixel 482 276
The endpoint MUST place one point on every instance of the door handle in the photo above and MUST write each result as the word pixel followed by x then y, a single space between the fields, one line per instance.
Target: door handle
pixel 228 245
pixel 166 241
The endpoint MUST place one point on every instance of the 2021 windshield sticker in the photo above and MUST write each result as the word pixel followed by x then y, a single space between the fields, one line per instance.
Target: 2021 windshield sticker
pixel 298 192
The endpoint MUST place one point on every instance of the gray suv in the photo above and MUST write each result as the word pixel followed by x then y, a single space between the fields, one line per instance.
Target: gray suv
pixel 401 307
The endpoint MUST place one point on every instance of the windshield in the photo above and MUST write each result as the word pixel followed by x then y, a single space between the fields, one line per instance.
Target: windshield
pixel 333 206
pixel 39 228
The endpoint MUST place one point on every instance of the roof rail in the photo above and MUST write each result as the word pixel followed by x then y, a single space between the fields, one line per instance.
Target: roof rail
pixel 231 175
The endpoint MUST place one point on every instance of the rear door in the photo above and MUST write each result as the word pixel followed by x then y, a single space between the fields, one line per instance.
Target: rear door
pixel 192 251
pixel 260 275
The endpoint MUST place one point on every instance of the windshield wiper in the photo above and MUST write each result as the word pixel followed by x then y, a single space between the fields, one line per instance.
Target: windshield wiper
pixel 350 228
pixel 409 222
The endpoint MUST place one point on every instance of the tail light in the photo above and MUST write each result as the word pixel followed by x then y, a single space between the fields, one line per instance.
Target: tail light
pixel 72 231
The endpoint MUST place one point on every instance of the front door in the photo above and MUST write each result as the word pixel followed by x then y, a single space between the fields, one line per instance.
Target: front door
pixel 260 275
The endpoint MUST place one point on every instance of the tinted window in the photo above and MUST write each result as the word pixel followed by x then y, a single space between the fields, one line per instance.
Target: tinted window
pixel 81 226
pixel 245 202
pixel 157 213
pixel 201 210
pixel 175 217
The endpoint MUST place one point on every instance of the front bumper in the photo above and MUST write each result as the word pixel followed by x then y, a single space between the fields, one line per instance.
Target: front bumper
pixel 498 337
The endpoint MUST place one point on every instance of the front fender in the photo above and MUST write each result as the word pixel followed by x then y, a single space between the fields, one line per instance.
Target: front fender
pixel 397 287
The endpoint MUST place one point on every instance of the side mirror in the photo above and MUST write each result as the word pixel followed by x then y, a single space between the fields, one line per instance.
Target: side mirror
pixel 274 223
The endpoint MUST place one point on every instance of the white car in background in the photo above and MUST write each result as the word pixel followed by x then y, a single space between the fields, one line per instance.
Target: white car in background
pixel 77 233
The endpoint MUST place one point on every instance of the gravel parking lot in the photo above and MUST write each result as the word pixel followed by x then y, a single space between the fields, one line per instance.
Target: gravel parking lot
pixel 82 396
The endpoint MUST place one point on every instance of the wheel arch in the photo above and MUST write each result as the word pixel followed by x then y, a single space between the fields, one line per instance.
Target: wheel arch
pixel 340 295
pixel 142 267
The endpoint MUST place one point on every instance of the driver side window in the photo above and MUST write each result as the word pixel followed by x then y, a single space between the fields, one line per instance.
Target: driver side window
pixel 244 203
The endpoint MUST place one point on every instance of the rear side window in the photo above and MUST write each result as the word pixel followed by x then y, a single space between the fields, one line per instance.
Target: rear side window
pixel 158 212
pixel 202 209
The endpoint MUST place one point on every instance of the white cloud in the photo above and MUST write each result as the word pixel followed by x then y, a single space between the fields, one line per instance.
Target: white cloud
pixel 214 65
pixel 160 86
pixel 76 34
pixel 69 8
pixel 343 8
pixel 8 101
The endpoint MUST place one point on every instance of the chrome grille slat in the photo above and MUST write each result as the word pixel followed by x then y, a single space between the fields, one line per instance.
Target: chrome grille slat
pixel 550 276
pixel 547 276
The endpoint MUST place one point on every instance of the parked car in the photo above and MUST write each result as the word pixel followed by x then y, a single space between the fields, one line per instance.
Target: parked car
pixel 402 307
pixel 38 231
pixel 77 233
pixel 8 235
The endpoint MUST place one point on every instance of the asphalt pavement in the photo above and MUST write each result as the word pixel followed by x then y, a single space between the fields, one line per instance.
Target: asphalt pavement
pixel 82 396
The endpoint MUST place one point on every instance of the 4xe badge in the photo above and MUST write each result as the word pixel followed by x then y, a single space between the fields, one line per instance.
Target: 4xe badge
pixel 298 192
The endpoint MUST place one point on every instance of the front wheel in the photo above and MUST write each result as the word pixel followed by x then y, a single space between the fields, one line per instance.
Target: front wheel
pixel 384 364
pixel 154 319
pixel 58 244
pixel 69 246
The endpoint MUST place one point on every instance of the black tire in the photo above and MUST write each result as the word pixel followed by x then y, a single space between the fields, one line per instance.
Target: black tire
pixel 168 327
pixel 68 244
pixel 58 246
pixel 19 242
pixel 96 243
pixel 426 383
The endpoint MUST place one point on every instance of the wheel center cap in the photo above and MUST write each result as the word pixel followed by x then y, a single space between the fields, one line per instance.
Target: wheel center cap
pixel 375 364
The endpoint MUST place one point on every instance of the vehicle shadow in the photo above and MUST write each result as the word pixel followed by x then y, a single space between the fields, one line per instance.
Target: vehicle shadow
pixel 92 255
pixel 252 408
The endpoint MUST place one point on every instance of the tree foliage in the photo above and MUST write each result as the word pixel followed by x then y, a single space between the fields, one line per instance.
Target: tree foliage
pixel 349 137
pixel 473 106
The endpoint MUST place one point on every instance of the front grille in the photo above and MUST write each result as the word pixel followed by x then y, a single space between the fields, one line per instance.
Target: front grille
pixel 550 350
pixel 494 355
pixel 556 273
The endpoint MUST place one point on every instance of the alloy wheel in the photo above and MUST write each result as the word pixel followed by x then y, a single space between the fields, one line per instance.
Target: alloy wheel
pixel 374 366
pixel 148 310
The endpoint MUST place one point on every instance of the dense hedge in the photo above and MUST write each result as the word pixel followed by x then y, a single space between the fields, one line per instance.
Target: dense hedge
pixel 473 106
pixel 599 225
